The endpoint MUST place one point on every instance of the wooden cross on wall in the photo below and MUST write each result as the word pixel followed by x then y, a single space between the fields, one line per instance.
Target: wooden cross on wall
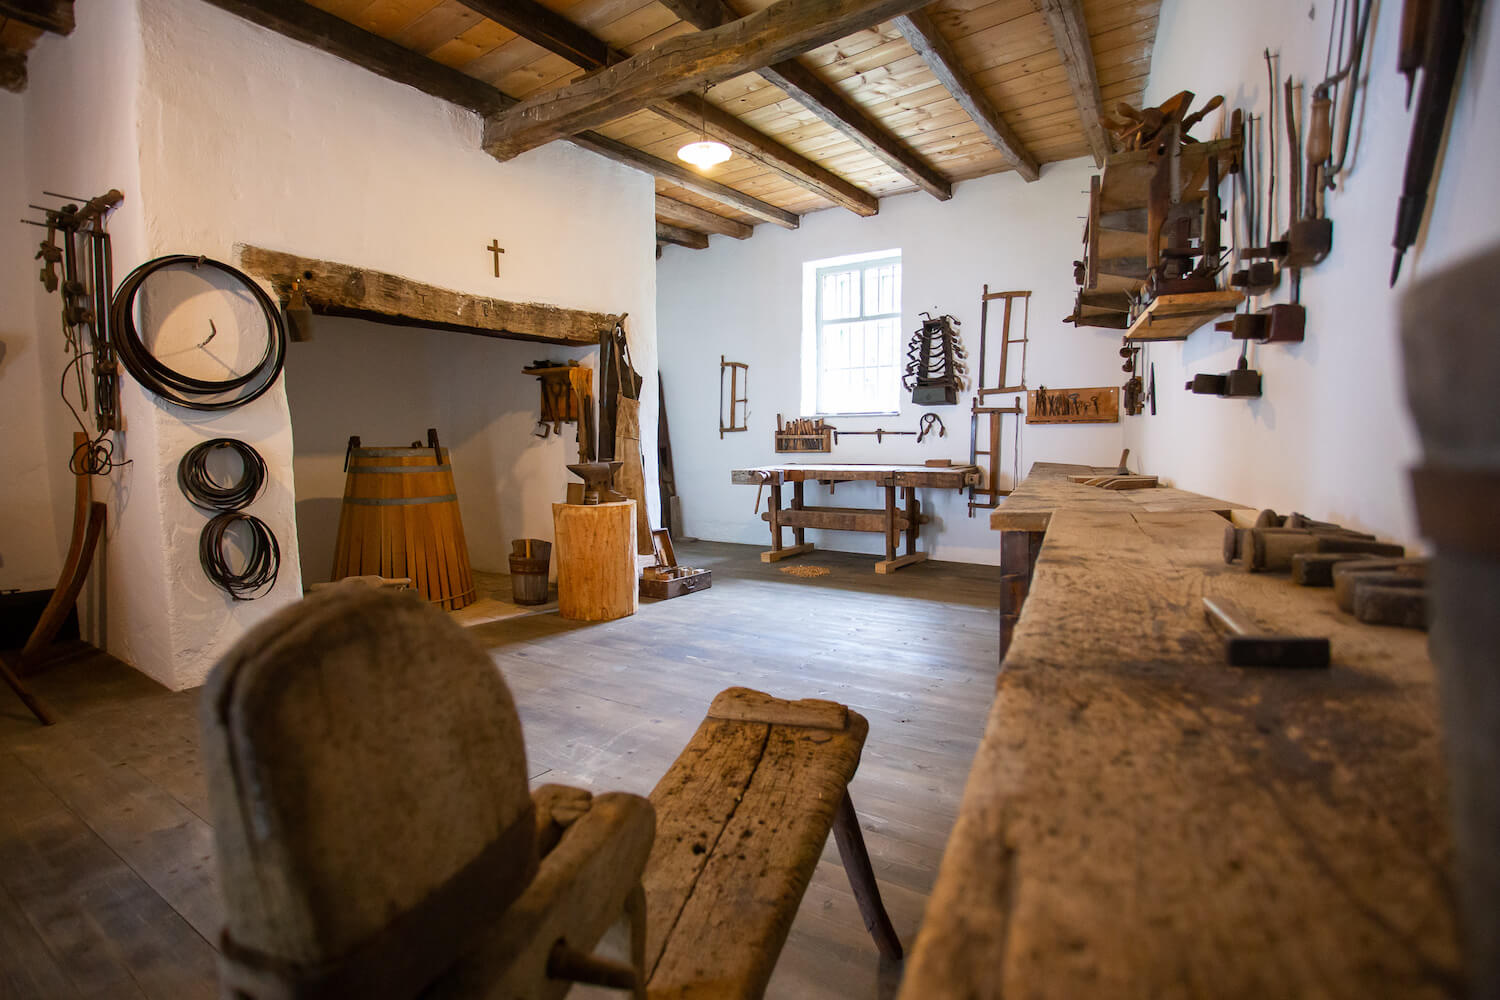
pixel 496 249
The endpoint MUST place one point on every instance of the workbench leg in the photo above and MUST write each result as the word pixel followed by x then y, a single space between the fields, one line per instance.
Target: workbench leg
pixel 776 517
pixel 862 878
pixel 890 523
pixel 779 551
pixel 913 512
pixel 1018 553
pixel 799 535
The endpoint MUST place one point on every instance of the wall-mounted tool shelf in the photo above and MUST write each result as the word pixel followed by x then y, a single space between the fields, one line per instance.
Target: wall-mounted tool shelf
pixel 1173 317
pixel 803 435
pixel 559 402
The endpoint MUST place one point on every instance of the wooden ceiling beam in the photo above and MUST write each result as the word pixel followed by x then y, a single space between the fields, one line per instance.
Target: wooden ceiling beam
pixel 683 214
pixel 668 233
pixel 55 16
pixel 922 34
pixel 680 64
pixel 555 33
pixel 826 102
pixel 1065 18
pixel 836 111
pixel 311 26
pixel 12 70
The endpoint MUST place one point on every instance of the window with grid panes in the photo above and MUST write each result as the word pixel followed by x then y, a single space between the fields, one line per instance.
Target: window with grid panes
pixel 857 336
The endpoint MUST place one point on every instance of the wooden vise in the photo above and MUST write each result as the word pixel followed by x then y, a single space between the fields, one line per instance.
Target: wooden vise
pixel 370 849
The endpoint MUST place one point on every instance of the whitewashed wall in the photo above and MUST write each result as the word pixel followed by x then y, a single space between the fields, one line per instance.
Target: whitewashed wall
pixel 1331 436
pixel 743 299
pixel 29 555
pixel 221 133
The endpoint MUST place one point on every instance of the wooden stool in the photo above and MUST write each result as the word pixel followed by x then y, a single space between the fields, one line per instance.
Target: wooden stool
pixel 741 819
pixel 595 546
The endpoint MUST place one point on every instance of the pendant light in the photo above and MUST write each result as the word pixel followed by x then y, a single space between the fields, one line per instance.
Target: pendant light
pixel 706 152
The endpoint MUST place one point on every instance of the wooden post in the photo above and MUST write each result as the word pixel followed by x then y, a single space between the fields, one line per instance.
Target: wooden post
pixel 856 860
pixel 799 533
pixel 913 512
pixel 776 515
pixel 1015 581
pixel 890 521
pixel 595 546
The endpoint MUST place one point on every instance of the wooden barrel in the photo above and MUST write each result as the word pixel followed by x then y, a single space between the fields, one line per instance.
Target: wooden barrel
pixel 400 518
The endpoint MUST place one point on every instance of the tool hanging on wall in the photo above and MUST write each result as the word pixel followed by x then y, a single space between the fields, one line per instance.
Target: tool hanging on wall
pixel 1133 392
pixel 1242 382
pixel 87 281
pixel 803 434
pixel 1442 36
pixel 1004 384
pixel 990 489
pixel 175 385
pixel 559 403
pixel 739 406
pixel 935 366
pixel 927 424
pixel 879 433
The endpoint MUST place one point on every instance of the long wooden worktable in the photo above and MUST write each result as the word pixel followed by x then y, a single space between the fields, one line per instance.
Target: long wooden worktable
pixel 891 521
pixel 1143 821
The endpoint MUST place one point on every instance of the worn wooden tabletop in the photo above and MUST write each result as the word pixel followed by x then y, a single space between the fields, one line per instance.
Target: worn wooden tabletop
pixel 1047 488
pixel 1143 821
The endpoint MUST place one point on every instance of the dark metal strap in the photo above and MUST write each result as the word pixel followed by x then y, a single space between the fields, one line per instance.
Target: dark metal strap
pixel 1456 507
pixel 407 954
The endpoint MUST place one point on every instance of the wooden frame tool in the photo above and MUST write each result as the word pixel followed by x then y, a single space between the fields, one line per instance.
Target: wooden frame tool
pixel 738 405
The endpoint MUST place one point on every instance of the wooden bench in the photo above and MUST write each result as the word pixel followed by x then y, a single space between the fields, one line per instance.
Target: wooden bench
pixel 376 837
pixel 741 820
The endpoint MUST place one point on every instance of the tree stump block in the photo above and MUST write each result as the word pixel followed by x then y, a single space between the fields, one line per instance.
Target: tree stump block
pixel 595 546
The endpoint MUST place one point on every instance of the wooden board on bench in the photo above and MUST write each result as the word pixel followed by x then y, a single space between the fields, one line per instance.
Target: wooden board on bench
pixel 741 820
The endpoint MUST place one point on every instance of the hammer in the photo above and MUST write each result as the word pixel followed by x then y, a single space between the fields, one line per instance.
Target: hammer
pixel 1247 646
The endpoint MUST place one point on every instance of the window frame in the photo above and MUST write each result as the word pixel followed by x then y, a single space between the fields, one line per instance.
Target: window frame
pixel 860 265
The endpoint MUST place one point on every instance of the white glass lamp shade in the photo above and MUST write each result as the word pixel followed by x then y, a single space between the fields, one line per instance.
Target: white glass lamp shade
pixel 704 154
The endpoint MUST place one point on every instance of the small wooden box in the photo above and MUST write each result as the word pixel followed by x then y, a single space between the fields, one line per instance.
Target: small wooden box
pixel 662 588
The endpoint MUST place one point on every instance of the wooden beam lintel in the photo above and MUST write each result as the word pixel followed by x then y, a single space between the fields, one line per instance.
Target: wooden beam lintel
pixel 683 237
pixel 681 213
pixel 334 289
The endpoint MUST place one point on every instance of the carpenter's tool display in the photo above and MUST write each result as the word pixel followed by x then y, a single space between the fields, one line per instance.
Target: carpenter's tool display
pixel 936 368
pixel 76 239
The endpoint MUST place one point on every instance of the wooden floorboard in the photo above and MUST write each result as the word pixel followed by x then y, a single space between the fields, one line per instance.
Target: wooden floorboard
pixel 106 880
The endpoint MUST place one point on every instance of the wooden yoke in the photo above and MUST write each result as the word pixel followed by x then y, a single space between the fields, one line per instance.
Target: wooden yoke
pixel 367 778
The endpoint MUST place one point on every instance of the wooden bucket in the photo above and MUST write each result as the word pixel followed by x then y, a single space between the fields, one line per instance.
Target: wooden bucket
pixel 400 518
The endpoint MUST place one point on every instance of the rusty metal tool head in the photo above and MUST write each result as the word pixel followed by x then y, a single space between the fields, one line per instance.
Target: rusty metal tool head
pixel 1245 645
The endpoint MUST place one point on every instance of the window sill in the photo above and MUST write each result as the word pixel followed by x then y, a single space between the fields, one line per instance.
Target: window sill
pixel 862 413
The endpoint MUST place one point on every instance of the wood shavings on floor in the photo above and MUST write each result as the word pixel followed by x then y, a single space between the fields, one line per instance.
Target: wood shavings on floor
pixel 806 572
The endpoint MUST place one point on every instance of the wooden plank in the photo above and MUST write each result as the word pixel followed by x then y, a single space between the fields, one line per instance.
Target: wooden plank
pixel 55 16
pixel 681 64
pixel 1142 820
pixel 668 233
pixel 891 565
pixel 557 34
pixel 128 942
pixel 1174 317
pixel 757 860
pixel 840 519
pixel 832 108
pixel 1065 18
pixel 1047 488
pixel 786 552
pixel 922 33
pixel 681 213
pixel 334 289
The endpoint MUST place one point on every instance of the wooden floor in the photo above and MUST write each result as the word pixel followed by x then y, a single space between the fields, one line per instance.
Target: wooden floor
pixel 106 870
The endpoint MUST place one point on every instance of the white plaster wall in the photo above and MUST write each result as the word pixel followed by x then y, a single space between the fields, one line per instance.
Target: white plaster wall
pixel 388 384
pixel 29 553
pixel 81 139
pixel 743 299
pixel 1331 436
pixel 219 132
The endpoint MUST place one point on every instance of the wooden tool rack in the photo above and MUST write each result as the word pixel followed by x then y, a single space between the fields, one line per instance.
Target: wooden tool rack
pixel 892 521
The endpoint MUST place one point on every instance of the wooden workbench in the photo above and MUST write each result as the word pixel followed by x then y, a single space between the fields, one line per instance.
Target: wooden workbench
pixel 892 521
pixel 1141 820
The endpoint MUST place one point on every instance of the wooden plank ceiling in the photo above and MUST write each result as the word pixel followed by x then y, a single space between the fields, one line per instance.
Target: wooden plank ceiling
pixel 956 90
